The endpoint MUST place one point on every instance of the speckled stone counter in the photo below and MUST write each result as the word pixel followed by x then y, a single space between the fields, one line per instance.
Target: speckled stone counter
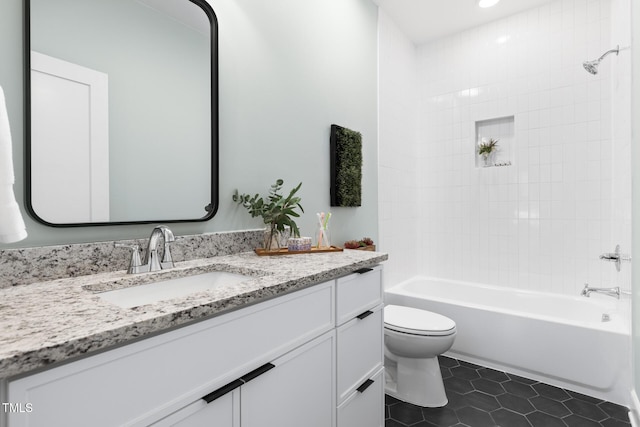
pixel 59 320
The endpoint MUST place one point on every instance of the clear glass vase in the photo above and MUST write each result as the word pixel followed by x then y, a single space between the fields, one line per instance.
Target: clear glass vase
pixel 323 237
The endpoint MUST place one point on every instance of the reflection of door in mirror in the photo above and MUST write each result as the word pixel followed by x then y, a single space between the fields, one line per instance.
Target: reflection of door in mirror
pixel 157 122
pixel 70 134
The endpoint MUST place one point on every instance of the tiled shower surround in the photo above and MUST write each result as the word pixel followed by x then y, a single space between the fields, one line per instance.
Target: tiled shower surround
pixel 542 222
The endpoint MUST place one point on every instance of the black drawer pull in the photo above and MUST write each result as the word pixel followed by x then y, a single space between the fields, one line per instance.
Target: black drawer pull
pixel 257 372
pixel 365 385
pixel 222 391
pixel 216 394
pixel 363 270
pixel 365 314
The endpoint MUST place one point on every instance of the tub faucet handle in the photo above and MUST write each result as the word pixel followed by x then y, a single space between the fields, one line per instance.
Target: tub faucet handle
pixel 616 257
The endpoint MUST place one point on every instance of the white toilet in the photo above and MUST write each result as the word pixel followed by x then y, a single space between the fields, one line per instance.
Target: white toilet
pixel 413 341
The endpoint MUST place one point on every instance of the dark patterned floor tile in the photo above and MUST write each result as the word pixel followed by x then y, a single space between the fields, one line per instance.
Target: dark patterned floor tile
pixel 475 417
pixel 551 392
pixel 496 399
pixel 481 400
pixel 549 406
pixel 585 409
pixel 456 400
pixel 406 413
pixel 505 418
pixel 440 416
pixel 469 364
pixel 584 397
pixel 574 420
pixel 493 375
pixel 487 386
pixel 612 422
pixel 520 379
pixel 615 411
pixel 445 372
pixel 516 403
pixel 448 362
pixel 540 419
pixel 465 373
pixel 519 389
pixel 458 384
pixel 388 400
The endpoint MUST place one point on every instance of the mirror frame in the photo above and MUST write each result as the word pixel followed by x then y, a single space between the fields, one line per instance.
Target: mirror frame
pixel 211 208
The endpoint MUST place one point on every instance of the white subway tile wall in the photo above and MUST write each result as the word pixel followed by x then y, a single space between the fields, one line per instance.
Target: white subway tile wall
pixel 542 222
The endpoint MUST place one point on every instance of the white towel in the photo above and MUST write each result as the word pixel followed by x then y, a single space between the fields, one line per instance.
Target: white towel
pixel 12 228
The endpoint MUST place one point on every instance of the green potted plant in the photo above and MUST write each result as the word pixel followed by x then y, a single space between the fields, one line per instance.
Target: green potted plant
pixel 277 211
pixel 486 149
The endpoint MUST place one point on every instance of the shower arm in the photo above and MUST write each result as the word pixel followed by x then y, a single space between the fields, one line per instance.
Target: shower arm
pixel 616 50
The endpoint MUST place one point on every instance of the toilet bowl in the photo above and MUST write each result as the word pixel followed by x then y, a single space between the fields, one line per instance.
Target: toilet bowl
pixel 413 340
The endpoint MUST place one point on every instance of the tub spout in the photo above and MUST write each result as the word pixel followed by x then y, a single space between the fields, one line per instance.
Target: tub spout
pixel 612 292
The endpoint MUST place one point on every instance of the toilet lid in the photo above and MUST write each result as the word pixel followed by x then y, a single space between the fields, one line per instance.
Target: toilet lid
pixel 416 321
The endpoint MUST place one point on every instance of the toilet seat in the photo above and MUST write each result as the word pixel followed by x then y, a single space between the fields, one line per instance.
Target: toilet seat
pixel 414 321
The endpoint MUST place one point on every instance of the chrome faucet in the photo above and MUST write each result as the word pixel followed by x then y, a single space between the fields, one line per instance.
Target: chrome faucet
pixel 151 260
pixel 151 254
pixel 612 292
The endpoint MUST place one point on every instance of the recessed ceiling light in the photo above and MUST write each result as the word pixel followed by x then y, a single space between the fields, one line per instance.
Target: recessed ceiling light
pixel 487 3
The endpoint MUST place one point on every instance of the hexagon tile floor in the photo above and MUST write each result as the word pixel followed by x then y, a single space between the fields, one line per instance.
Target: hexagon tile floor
pixel 483 397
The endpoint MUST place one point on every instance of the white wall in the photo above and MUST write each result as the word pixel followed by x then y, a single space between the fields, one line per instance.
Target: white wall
pixel 398 152
pixel 541 223
pixel 288 70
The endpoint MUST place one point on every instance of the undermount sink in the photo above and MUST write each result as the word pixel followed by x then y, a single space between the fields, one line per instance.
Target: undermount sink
pixel 173 288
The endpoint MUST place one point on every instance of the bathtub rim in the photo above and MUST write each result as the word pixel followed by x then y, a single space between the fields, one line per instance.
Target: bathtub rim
pixel 618 323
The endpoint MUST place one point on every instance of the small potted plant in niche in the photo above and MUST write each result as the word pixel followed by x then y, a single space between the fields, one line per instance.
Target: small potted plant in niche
pixel 277 212
pixel 486 149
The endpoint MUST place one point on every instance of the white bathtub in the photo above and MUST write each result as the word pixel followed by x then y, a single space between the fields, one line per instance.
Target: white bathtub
pixel 557 339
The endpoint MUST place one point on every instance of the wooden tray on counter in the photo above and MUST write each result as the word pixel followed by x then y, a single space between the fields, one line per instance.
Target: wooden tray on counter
pixel 285 251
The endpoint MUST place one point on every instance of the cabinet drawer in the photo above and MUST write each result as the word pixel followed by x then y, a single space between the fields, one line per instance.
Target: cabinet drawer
pixel 360 350
pixel 358 292
pixel 144 381
pixel 364 408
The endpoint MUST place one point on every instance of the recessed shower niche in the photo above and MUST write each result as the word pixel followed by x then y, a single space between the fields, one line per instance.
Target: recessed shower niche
pixel 500 129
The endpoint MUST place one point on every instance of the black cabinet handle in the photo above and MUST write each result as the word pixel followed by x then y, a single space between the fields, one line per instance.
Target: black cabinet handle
pixel 216 394
pixel 222 391
pixel 365 314
pixel 257 372
pixel 363 270
pixel 365 385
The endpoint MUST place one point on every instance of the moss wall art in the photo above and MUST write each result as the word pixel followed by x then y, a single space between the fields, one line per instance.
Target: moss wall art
pixel 346 167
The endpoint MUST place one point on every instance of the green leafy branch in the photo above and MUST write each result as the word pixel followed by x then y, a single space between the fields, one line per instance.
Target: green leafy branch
pixel 277 211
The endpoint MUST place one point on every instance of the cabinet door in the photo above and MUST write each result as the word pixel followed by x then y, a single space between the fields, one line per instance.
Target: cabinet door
pixel 365 406
pixel 360 350
pixel 299 391
pixel 222 412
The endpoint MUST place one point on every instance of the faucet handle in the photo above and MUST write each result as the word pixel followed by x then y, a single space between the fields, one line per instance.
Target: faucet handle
pixel 167 259
pixel 135 264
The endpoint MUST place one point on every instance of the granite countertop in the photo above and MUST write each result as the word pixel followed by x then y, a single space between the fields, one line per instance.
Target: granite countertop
pixel 54 321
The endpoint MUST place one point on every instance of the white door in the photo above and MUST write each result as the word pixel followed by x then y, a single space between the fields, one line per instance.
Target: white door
pixel 69 141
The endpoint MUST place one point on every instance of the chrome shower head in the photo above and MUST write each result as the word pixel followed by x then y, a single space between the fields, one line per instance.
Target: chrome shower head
pixel 592 66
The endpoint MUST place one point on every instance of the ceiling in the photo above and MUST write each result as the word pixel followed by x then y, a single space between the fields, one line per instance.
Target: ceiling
pixel 425 20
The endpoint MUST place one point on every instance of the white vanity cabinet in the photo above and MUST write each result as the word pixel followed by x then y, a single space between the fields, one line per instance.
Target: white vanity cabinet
pixel 359 354
pixel 295 390
pixel 141 383
pixel 309 358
